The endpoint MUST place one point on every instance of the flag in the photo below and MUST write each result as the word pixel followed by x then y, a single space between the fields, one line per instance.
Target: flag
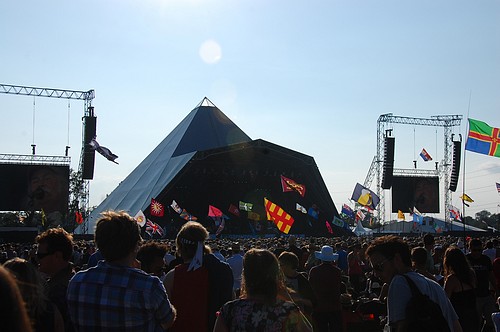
pixel 338 222
pixel 187 216
pixel 347 211
pixel 455 213
pixel 221 227
pixel 105 152
pixel 417 217
pixel 360 215
pixel 483 138
pixel 140 218
pixel 425 155
pixel 498 187
pixel 365 196
pixel 234 210
pixel 214 212
pixel 328 227
pixel 466 198
pixel 152 228
pixel 290 185
pixel 157 209
pixel 300 208
pixel 176 207
pixel 401 215
pixel 44 218
pixel 283 220
pixel 313 212
pixel 245 206
pixel 253 216
pixel 78 217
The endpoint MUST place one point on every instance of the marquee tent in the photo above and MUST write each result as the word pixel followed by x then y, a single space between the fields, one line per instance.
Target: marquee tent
pixel 208 160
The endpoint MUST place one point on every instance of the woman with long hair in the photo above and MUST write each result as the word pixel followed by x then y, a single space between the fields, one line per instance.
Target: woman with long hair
pixel 43 314
pixel 14 315
pixel 459 285
pixel 264 304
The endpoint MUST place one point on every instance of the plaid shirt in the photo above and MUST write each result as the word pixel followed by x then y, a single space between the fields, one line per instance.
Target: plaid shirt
pixel 117 298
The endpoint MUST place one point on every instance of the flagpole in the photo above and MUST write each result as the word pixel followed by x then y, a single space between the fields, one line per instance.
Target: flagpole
pixel 463 174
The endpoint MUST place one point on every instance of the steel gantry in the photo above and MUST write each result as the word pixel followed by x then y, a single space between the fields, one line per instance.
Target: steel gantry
pixel 86 96
pixel 376 168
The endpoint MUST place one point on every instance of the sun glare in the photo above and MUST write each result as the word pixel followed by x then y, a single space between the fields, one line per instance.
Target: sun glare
pixel 210 51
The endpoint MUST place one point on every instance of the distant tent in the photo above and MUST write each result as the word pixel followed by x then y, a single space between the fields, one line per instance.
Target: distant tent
pixel 361 231
pixel 208 160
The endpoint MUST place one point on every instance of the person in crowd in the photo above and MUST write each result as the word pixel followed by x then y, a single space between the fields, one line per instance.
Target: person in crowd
pixel 236 264
pixel 490 251
pixel 43 314
pixel 419 259
pixel 216 252
pixel 355 270
pixel 303 294
pixel 292 247
pixel 260 307
pixel 14 314
pixel 55 249
pixel 390 258
pixel 199 286
pixel 429 242
pixel 151 256
pixel 95 258
pixel 116 295
pixel 311 257
pixel 342 261
pixel 326 282
pixel 460 281
pixel 485 283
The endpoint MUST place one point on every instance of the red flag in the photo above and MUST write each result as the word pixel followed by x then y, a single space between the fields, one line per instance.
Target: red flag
pixel 234 210
pixel 328 227
pixel 290 185
pixel 214 212
pixel 157 209
pixel 78 217
pixel 283 220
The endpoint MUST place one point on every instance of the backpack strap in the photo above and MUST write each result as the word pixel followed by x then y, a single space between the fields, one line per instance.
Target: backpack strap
pixel 414 289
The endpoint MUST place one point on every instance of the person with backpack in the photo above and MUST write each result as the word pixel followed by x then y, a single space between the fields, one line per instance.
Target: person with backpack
pixel 410 294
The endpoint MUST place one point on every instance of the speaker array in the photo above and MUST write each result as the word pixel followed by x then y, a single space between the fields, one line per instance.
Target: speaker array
pixel 388 165
pixel 90 123
pixel 455 166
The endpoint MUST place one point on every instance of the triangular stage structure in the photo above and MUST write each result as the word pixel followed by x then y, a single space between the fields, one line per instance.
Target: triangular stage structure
pixel 209 160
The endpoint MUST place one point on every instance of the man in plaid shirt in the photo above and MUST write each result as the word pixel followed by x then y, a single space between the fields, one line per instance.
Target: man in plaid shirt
pixel 116 295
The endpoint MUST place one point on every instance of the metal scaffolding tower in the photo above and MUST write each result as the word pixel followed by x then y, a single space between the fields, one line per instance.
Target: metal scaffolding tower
pixel 376 168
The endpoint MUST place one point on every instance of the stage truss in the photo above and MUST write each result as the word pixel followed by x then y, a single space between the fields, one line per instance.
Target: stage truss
pixel 87 97
pixel 443 171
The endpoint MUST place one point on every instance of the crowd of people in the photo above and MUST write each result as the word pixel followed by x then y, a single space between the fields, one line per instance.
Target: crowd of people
pixel 119 282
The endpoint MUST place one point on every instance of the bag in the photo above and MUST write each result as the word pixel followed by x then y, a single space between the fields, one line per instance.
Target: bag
pixel 423 314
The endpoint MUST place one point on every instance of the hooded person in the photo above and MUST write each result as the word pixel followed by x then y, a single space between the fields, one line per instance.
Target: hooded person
pixel 199 286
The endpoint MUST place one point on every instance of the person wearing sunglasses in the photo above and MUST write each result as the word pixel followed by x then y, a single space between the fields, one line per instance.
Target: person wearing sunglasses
pixel 390 259
pixel 55 249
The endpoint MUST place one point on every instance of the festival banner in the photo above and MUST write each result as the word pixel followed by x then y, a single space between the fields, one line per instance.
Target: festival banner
pixel 157 209
pixel 365 196
pixel 290 185
pixel 140 218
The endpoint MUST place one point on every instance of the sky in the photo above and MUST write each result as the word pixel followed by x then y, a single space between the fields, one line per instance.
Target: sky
pixel 311 76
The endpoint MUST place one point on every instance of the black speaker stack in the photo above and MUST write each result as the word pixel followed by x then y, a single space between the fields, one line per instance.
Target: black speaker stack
pixel 90 123
pixel 388 165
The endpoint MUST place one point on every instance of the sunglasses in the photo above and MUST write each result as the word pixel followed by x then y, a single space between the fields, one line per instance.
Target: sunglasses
pixel 41 255
pixel 379 267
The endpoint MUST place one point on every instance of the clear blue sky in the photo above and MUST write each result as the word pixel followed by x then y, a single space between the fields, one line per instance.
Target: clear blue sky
pixel 310 76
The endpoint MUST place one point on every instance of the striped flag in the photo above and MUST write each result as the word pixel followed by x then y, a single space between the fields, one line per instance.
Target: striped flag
pixel 498 187
pixel 425 155
pixel 283 220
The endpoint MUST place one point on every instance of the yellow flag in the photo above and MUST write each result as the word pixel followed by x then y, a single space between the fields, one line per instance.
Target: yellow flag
pixel 401 215
pixel 44 218
pixel 466 198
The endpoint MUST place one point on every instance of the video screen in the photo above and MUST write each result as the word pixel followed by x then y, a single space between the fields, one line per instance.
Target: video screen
pixel 34 187
pixel 419 192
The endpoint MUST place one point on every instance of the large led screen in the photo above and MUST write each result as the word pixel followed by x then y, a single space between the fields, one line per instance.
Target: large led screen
pixel 34 187
pixel 419 192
